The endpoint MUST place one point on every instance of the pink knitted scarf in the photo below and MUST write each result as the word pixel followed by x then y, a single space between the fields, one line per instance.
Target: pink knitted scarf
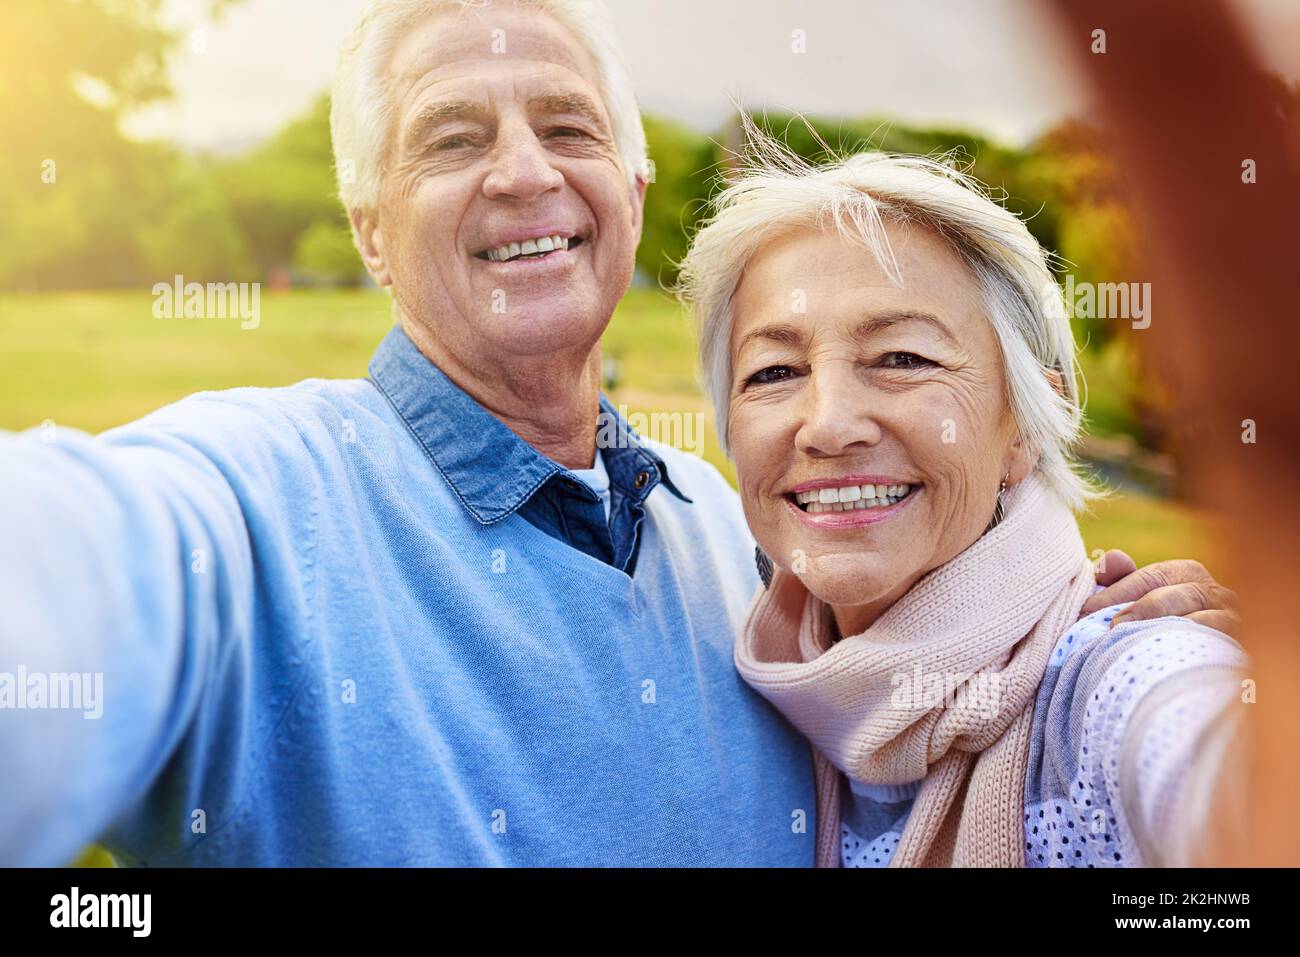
pixel 940 688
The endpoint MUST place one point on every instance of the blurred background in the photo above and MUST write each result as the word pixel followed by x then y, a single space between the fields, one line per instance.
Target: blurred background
pixel 149 138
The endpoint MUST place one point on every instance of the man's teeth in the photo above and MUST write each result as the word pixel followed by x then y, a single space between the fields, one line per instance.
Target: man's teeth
pixel 852 497
pixel 529 247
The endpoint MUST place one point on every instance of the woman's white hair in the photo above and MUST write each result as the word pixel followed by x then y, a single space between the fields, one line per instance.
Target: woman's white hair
pixel 774 191
pixel 363 114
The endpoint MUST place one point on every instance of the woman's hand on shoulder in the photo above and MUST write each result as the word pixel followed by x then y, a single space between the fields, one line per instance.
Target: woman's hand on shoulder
pixel 1182 587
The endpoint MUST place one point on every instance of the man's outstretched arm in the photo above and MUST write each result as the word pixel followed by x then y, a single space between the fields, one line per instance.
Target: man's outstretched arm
pixel 125 563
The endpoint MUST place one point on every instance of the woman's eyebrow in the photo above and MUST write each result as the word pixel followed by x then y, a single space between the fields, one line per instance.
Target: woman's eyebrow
pixel 781 333
pixel 877 322
pixel 784 334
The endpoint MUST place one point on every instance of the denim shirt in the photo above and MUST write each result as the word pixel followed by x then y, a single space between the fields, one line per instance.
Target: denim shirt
pixel 495 473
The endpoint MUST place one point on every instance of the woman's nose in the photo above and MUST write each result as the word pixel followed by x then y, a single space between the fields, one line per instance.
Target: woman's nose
pixel 835 415
pixel 521 165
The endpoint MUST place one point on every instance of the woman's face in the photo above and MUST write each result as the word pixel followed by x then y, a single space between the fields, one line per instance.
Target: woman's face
pixel 884 407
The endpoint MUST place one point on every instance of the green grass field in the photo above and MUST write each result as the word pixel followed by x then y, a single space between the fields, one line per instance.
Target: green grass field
pixel 93 361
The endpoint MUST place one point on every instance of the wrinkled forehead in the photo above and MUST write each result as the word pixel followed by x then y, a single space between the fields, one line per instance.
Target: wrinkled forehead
pixel 904 258
pixel 460 43
pixel 817 278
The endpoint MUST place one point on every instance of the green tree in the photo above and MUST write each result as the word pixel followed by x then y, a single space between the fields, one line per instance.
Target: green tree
pixel 284 188
pixel 193 232
pixel 76 190
pixel 684 169
pixel 326 254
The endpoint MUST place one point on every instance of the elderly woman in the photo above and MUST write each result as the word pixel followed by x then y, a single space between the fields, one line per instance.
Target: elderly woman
pixel 898 396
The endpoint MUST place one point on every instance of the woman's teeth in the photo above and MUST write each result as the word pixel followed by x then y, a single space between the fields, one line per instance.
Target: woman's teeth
pixel 852 497
pixel 531 247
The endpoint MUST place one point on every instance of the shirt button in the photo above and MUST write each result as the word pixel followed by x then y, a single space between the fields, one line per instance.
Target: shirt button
pixel 641 479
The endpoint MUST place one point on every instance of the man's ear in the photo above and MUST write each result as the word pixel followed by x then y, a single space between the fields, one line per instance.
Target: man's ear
pixel 638 205
pixel 369 240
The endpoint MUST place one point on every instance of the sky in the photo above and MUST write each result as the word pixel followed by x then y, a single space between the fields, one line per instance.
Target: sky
pixel 993 66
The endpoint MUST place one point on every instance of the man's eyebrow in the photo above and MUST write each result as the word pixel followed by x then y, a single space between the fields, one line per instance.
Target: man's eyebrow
pixel 578 104
pixel 432 115
pixel 880 321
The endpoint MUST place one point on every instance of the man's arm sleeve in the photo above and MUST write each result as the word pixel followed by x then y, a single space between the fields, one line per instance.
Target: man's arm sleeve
pixel 125 576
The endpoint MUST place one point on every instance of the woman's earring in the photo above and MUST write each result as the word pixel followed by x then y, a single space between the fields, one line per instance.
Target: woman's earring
pixel 999 511
pixel 764 566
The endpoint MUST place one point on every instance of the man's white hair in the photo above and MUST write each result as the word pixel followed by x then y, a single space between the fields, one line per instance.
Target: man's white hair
pixel 776 192
pixel 363 114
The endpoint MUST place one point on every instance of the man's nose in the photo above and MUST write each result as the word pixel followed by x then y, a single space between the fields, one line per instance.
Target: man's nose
pixel 835 413
pixel 521 165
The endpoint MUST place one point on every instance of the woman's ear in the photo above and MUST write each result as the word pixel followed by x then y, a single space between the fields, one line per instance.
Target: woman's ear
pixel 1020 462
pixel 1020 459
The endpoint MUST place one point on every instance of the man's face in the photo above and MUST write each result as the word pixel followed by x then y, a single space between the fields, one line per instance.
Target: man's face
pixel 506 221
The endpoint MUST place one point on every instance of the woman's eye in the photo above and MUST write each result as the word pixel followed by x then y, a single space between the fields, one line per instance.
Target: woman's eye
pixel 905 360
pixel 451 143
pixel 769 375
pixel 567 132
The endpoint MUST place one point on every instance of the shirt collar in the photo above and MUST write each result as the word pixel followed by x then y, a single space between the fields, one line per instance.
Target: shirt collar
pixel 491 469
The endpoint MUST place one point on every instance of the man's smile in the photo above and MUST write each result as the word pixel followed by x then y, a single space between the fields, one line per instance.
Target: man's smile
pixel 531 244
pixel 532 247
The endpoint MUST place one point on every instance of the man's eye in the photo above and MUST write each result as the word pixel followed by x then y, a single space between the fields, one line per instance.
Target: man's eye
pixel 567 132
pixel 451 143
pixel 769 375
pixel 905 360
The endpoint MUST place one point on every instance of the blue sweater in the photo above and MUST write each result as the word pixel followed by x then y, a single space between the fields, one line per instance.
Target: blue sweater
pixel 318 648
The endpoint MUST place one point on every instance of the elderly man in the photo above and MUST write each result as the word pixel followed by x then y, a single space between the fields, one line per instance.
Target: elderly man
pixel 418 618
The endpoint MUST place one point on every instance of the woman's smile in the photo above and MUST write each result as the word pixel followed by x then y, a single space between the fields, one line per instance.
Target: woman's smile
pixel 851 501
